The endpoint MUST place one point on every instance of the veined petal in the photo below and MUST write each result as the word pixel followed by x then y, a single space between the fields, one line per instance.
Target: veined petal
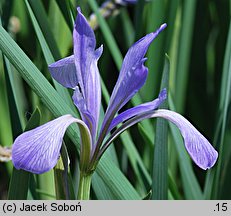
pixel 137 51
pixel 84 48
pixel 64 72
pixel 86 116
pixel 127 88
pixel 38 150
pixel 132 77
pixel 124 116
pixel 86 59
pixel 198 147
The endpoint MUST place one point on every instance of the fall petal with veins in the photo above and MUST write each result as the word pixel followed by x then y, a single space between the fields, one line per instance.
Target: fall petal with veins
pixel 38 150
pixel 198 147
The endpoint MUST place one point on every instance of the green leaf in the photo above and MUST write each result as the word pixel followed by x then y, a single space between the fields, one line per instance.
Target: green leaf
pixel 154 17
pixel 191 186
pixel 160 162
pixel 136 161
pixel 101 192
pixel 34 120
pixel 48 45
pixel 139 11
pixel 148 196
pixel 11 93
pixel 189 10
pixel 19 183
pixel 173 187
pixel 214 180
pixel 66 11
pixel 39 20
pixel 127 28
pixel 63 184
pixel 18 96
pixel 117 184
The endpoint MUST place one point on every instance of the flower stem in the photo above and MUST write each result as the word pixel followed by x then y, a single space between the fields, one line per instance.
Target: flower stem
pixel 84 186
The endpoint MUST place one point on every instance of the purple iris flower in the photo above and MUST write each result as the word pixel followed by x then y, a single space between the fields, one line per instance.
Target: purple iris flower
pixel 38 150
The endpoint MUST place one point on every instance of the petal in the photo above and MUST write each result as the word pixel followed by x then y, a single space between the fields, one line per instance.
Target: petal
pixel 38 150
pixel 93 91
pixel 86 59
pixel 132 77
pixel 85 115
pixel 127 86
pixel 84 47
pixel 198 147
pixel 124 116
pixel 136 52
pixel 125 90
pixel 64 72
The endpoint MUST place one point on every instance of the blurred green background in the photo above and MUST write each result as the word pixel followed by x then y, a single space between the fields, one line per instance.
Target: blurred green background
pixel 198 44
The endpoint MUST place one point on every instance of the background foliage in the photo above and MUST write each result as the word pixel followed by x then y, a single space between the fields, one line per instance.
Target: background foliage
pixel 198 44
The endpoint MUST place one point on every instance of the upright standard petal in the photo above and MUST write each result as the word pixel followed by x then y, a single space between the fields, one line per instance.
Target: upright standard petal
pixel 38 150
pixel 64 72
pixel 132 77
pixel 198 147
pixel 86 58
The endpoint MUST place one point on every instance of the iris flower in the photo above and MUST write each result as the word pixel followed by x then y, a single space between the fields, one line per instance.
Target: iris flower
pixel 38 150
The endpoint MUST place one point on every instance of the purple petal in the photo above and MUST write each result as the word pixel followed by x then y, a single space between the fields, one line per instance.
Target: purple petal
pixel 198 147
pixel 38 150
pixel 136 52
pixel 86 58
pixel 64 72
pixel 124 116
pixel 86 116
pixel 132 77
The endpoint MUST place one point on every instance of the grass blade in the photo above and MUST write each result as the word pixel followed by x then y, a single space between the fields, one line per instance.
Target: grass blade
pixel 160 162
pixel 65 8
pixel 191 186
pixel 19 183
pixel 215 187
pixel 155 16
pixel 118 186
pixel 189 8
pixel 63 184
pixel 48 45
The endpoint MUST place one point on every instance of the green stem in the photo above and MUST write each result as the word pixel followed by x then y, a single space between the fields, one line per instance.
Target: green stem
pixel 84 186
